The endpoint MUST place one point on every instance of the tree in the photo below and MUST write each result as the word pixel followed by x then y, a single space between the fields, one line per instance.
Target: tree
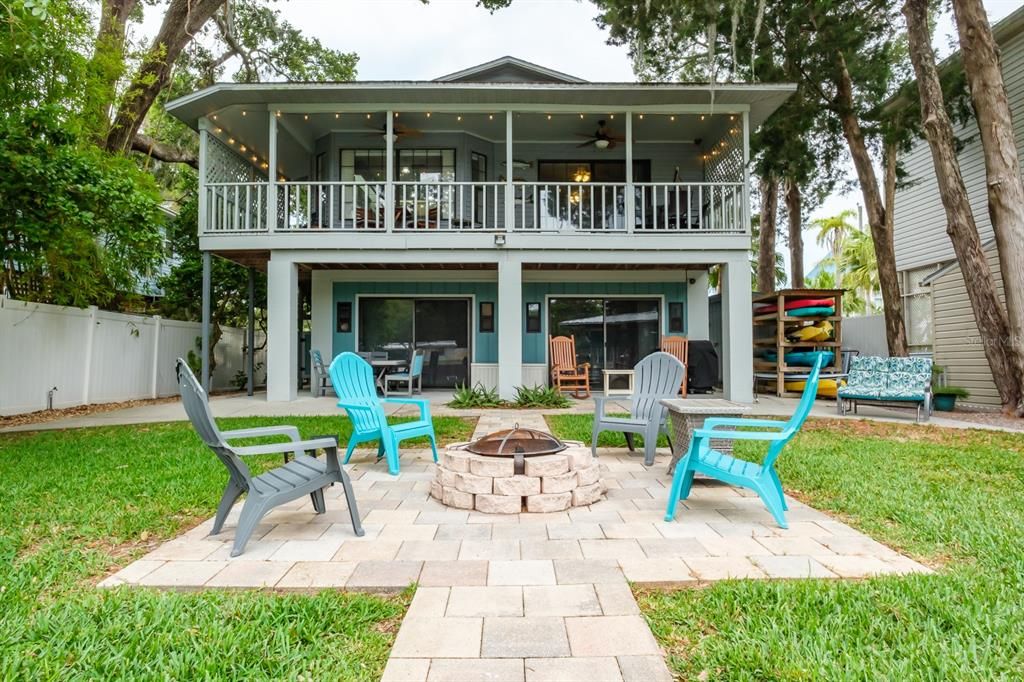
pixel 794 218
pixel 832 233
pixel 992 322
pixel 859 273
pixel 1002 165
pixel 766 253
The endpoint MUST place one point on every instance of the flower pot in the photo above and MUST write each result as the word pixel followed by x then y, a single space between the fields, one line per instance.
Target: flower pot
pixel 944 402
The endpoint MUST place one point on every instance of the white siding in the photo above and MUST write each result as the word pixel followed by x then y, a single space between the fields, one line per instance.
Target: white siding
pixel 920 220
pixel 957 345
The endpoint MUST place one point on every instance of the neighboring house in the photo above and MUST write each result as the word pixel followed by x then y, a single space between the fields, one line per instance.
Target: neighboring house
pixel 474 215
pixel 149 284
pixel 939 317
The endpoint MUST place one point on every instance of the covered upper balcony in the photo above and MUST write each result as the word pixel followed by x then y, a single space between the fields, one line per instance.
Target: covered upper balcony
pixel 357 162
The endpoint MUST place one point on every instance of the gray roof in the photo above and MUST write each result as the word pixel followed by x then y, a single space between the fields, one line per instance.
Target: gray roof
pixel 509 69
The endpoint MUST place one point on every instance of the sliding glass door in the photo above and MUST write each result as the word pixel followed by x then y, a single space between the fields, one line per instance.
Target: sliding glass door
pixel 437 326
pixel 611 333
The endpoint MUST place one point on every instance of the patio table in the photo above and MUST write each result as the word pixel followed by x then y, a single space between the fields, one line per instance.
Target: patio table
pixel 384 366
pixel 688 414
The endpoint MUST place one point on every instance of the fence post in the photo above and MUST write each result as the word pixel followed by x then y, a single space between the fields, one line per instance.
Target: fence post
pixel 90 334
pixel 156 356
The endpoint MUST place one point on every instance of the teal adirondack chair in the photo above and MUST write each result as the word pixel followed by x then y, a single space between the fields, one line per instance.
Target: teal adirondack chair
pixel 761 478
pixel 353 381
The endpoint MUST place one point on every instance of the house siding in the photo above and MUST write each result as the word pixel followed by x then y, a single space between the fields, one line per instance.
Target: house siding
pixel 919 218
pixel 956 342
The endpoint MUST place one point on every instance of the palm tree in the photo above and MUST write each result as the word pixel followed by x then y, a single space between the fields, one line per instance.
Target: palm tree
pixel 860 267
pixel 755 243
pixel 832 232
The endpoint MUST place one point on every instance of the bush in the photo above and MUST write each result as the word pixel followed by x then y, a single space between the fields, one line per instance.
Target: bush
pixel 539 396
pixel 951 390
pixel 475 397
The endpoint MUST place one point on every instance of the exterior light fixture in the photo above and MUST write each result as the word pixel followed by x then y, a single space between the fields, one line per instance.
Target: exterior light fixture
pixel 671 118
pixel 368 116
pixel 254 159
pixel 218 130
pixel 278 114
pixel 305 117
pixel 241 148
pixel 499 240
pixel 601 143
pixel 549 117
pixel 231 140
pixel 459 117
pixel 581 116
pixel 641 117
pixel 490 117
pixel 214 117
pixel 337 116
pixel 702 117
pixel 612 116
pixel 243 113
pixel 428 114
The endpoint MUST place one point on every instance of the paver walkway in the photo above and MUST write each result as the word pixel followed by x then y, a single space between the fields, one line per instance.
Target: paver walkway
pixel 519 596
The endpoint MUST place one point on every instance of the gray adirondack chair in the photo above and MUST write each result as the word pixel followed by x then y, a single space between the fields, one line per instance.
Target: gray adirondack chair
pixel 319 382
pixel 303 475
pixel 658 376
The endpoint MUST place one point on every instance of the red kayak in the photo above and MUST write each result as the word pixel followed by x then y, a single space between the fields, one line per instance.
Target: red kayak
pixel 798 303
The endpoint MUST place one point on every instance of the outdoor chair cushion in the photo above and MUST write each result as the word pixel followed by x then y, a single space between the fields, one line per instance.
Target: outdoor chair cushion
pixel 867 378
pixel 811 312
pixel 907 378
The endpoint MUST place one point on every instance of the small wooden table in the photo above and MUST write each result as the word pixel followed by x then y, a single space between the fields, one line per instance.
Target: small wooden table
pixel 609 373
pixel 688 414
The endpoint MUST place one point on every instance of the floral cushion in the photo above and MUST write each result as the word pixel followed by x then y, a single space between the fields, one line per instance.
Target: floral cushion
pixel 867 378
pixel 908 378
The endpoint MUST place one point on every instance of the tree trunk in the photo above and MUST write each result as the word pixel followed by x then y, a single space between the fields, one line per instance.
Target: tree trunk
pixel 885 254
pixel 107 64
pixel 796 236
pixel 1002 166
pixel 181 23
pixel 981 288
pixel 769 187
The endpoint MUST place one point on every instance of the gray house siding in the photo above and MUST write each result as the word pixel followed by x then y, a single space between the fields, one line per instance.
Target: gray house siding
pixel 919 219
pixel 957 344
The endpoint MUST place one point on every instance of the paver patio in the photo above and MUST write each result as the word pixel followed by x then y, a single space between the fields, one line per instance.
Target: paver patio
pixel 520 596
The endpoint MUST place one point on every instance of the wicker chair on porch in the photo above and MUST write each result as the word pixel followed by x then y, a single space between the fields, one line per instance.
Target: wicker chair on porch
pixel 566 373
pixel 679 348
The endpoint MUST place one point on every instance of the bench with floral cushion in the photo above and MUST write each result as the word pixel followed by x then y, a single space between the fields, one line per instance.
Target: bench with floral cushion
pixel 890 381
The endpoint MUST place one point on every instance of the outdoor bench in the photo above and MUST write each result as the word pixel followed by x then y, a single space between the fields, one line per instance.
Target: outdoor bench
pixel 894 382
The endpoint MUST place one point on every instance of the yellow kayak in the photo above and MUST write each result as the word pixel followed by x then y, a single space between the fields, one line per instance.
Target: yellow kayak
pixel 822 331
pixel 826 387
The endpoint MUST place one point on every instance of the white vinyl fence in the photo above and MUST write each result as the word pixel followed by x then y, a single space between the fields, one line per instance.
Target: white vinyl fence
pixel 865 333
pixel 95 356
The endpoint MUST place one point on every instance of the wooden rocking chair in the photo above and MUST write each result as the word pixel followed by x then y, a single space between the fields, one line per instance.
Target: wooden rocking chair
pixel 679 348
pixel 566 373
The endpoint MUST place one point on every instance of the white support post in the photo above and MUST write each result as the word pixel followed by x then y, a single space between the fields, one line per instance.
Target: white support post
pixel 389 187
pixel 737 331
pixel 154 370
pixel 272 173
pixel 90 336
pixel 510 196
pixel 510 324
pixel 204 141
pixel 322 314
pixel 282 336
pixel 746 172
pixel 697 315
pixel 630 191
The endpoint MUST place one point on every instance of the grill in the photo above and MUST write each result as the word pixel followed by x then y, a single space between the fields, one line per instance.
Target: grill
pixel 517 443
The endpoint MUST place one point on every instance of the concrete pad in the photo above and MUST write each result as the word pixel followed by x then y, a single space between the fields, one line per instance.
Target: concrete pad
pixel 532 572
pixel 593 669
pixel 406 670
pixel 524 638
pixel 438 638
pixel 317 574
pixel 561 600
pixel 792 566
pixel 250 574
pixel 574 572
pixel 610 636
pixel 550 549
pixel 384 574
pixel 476 670
pixel 452 573
pixel 616 599
pixel 485 601
pixel 644 669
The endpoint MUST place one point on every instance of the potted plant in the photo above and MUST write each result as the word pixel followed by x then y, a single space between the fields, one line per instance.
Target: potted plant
pixel 944 397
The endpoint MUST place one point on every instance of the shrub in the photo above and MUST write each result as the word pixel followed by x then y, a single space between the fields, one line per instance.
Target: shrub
pixel 476 396
pixel 539 396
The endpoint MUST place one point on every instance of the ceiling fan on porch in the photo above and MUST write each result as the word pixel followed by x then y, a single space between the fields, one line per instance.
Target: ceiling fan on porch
pixel 400 131
pixel 602 138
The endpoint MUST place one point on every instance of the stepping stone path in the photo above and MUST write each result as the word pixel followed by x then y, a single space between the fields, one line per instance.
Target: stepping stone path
pixel 528 596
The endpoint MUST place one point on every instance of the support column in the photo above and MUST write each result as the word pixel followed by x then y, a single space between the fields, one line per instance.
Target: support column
pixel 737 331
pixel 272 173
pixel 697 315
pixel 322 310
pixel 630 202
pixel 389 179
pixel 510 324
pixel 510 197
pixel 282 336
pixel 250 336
pixel 204 344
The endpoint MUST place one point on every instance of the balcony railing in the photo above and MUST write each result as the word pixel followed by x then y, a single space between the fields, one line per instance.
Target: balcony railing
pixel 537 207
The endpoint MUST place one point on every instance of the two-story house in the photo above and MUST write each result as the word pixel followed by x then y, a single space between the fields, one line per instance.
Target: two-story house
pixel 475 215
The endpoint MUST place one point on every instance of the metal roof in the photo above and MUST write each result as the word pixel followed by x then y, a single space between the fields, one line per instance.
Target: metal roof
pixel 543 73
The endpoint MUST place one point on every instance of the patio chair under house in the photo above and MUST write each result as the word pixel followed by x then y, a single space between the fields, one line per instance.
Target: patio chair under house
pixel 658 377
pixel 353 381
pixel 303 475
pixel 566 372
pixel 761 478
pixel 412 377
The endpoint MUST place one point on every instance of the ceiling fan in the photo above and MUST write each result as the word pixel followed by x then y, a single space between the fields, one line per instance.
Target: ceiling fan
pixel 400 131
pixel 603 137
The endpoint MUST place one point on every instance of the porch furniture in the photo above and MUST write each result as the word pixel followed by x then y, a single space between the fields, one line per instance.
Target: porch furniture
pixel 610 373
pixel 304 475
pixel 413 376
pixel 703 458
pixel 657 378
pixel 353 381
pixel 893 382
pixel 686 416
pixel 566 373
pixel 382 365
pixel 319 382
pixel 679 348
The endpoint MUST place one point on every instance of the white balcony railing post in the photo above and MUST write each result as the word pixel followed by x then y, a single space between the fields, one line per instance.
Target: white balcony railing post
pixel 389 178
pixel 630 198
pixel 272 175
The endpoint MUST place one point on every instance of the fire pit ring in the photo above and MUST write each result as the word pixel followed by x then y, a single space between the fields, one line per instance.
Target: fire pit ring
pixel 518 443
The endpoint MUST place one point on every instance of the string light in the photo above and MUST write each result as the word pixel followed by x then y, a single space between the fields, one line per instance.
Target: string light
pixel 549 117
pixel 428 114
pixel 581 116
pixel 243 113
pixel 305 117
pixel 671 118
pixel 215 117
pixel 702 117
pixel 241 148
pixel 337 116
pixel 231 140
pixel 254 159
pixel 458 118
pixel 641 117
pixel 490 117
pixel 218 130
pixel 612 117
pixel 368 116
pixel 278 114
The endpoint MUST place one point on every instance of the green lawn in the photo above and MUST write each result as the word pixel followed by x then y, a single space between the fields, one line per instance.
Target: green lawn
pixel 76 505
pixel 580 426
pixel 952 499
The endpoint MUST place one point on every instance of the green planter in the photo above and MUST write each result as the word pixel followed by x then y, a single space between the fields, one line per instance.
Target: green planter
pixel 944 402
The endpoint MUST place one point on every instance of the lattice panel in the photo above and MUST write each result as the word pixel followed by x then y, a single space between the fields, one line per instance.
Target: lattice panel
pixel 224 165
pixel 725 163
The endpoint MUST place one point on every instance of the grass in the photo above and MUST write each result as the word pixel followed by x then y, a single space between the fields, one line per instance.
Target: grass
pixel 77 505
pixel 580 426
pixel 949 498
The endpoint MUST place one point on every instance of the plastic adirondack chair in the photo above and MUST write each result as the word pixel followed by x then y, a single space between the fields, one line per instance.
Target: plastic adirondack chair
pixel 761 478
pixel 304 475
pixel 414 375
pixel 657 377
pixel 354 383
pixel 679 348
pixel 319 382
pixel 565 372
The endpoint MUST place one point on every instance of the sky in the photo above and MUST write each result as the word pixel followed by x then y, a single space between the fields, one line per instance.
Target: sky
pixel 407 40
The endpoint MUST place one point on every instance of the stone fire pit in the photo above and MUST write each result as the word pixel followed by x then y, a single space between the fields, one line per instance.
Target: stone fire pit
pixel 488 483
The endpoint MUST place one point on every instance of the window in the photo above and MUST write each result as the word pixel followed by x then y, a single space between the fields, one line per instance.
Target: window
pixel 675 318
pixel 486 316
pixel 478 167
pixel 533 318
pixel 364 164
pixel 344 317
pixel 917 306
pixel 425 165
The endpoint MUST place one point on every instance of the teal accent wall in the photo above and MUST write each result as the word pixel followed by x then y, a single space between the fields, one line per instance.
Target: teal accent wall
pixel 485 345
pixel 534 345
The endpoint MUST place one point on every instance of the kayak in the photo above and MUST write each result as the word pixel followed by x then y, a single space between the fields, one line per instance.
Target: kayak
pixel 826 387
pixel 815 311
pixel 822 331
pixel 797 303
